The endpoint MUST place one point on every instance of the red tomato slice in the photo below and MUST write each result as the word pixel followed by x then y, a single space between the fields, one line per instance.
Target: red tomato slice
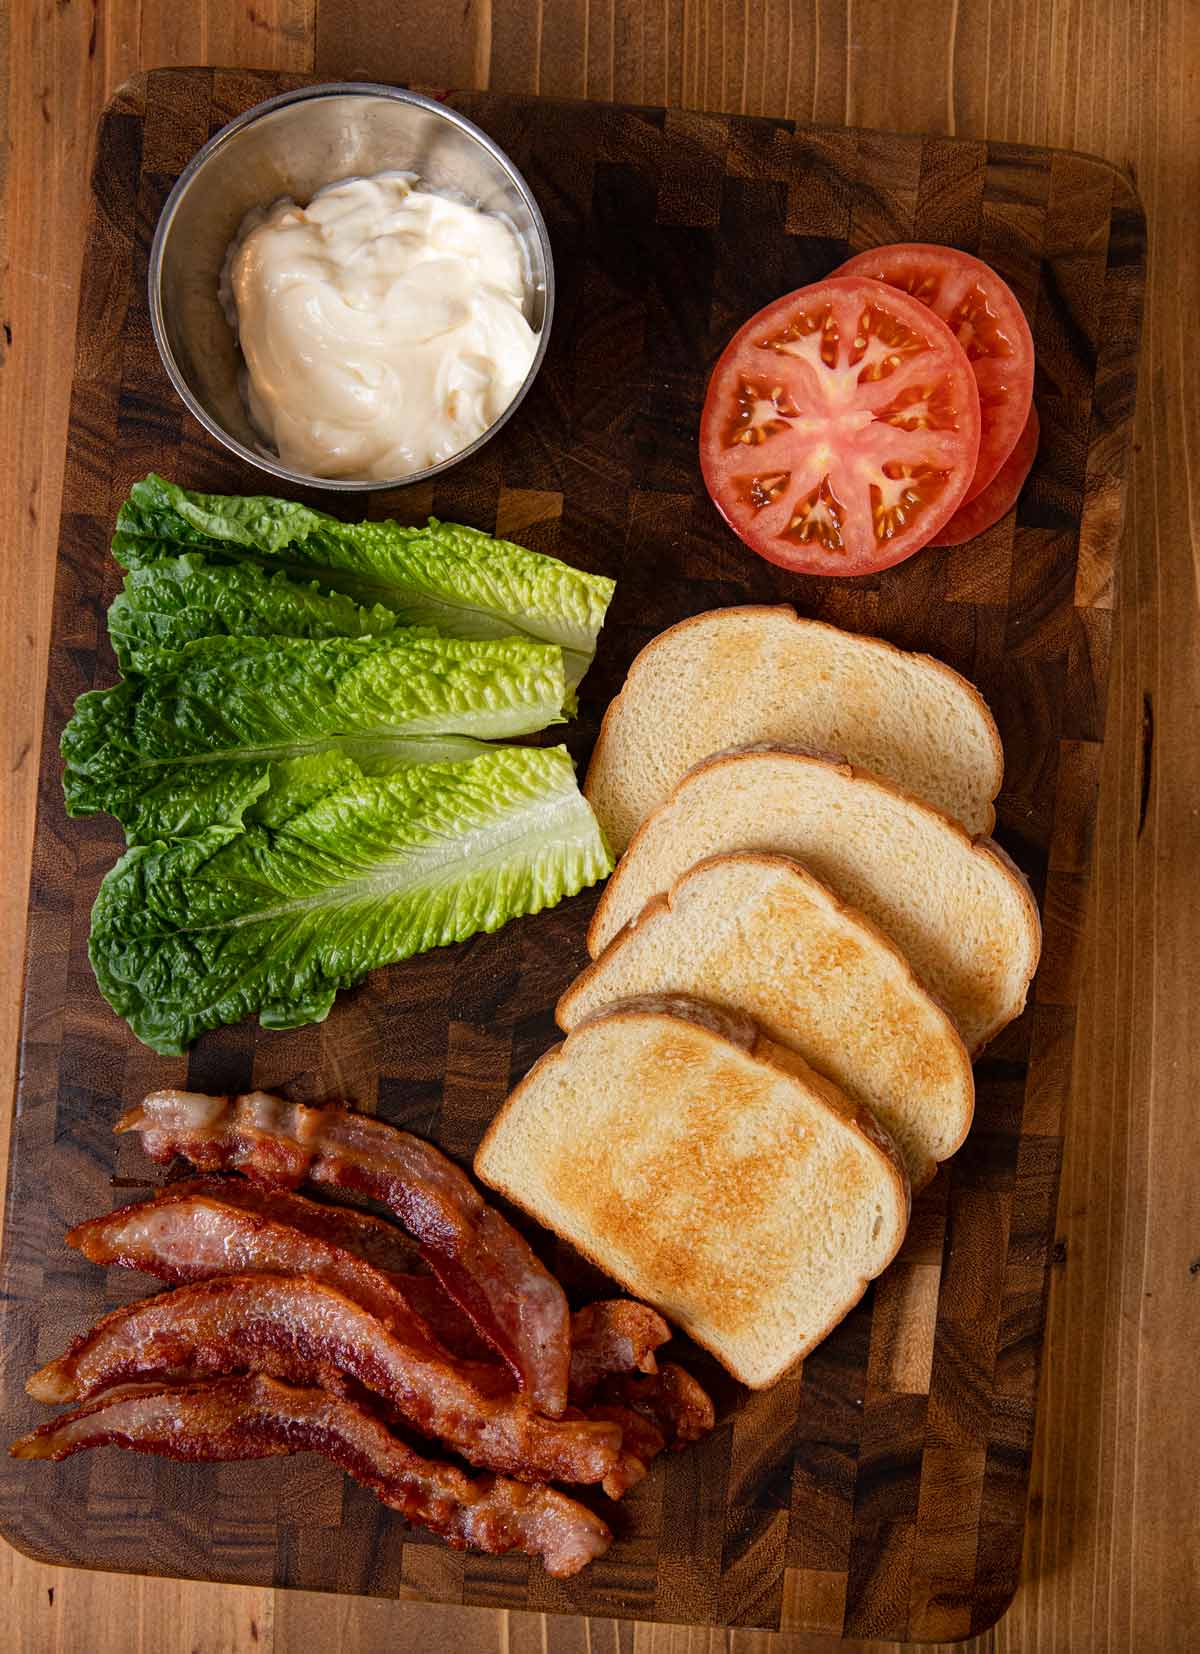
pixel 982 312
pixel 841 428
pixel 1000 495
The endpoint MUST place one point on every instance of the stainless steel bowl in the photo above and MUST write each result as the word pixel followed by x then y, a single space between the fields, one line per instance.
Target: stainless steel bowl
pixel 292 145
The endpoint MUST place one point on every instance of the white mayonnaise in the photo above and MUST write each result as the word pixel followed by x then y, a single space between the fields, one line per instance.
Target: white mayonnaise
pixel 382 327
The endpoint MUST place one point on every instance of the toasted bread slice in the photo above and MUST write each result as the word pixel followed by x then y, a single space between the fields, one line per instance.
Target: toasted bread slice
pixel 754 674
pixel 957 907
pixel 757 933
pixel 710 1171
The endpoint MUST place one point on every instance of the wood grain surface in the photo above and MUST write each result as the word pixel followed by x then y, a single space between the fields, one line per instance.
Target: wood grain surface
pixel 883 1488
pixel 1108 1560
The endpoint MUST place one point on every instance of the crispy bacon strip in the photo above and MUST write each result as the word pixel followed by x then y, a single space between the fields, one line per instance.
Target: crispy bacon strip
pixel 611 1336
pixel 484 1264
pixel 189 1231
pixel 271 1323
pixel 449 1324
pixel 666 1408
pixel 375 1240
pixel 208 1227
pixel 199 1230
pixel 255 1417
pixel 642 1441
pixel 614 1335
pixel 679 1408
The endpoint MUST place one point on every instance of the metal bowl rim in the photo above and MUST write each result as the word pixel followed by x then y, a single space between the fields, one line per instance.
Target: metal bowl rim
pixel 264 462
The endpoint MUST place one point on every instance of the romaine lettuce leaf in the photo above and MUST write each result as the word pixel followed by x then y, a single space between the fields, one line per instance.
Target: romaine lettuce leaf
pixel 458 579
pixel 275 918
pixel 174 601
pixel 190 742
pixel 174 800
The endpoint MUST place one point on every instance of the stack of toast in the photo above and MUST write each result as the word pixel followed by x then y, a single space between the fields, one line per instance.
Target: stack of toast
pixel 808 938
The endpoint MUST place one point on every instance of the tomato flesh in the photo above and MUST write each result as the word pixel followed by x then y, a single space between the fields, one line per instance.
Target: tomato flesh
pixel 976 515
pixel 982 312
pixel 841 428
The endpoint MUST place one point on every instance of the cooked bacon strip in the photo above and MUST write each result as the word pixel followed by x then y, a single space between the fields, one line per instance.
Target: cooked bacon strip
pixel 375 1240
pixel 201 1230
pixel 641 1441
pixel 256 1417
pixel 615 1335
pixel 663 1409
pixel 449 1324
pixel 209 1227
pixel 266 1322
pixel 671 1399
pixel 484 1264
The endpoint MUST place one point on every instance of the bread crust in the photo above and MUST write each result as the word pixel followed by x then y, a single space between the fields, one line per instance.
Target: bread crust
pixel 639 665
pixel 709 1018
pixel 665 901
pixel 980 845
pixel 737 1027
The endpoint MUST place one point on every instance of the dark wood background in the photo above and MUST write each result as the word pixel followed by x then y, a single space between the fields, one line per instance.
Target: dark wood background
pixel 881 1493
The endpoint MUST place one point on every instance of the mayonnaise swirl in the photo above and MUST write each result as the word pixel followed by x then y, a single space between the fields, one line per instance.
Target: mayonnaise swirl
pixel 382 327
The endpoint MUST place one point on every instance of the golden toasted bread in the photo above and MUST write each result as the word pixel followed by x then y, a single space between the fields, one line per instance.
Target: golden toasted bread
pixel 739 675
pixel 710 1171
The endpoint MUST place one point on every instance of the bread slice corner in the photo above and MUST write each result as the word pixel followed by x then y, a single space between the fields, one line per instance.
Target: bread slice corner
pixel 710 1171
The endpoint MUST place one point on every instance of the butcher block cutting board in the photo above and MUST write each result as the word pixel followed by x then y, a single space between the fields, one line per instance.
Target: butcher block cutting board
pixel 880 1491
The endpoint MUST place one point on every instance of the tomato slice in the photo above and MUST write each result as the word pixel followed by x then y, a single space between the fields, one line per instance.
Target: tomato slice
pixel 982 312
pixel 841 428
pixel 1000 495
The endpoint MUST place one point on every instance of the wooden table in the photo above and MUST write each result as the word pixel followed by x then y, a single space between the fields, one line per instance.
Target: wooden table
pixel 1111 1558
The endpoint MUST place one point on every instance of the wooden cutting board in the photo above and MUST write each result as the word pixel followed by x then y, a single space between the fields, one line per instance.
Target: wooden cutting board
pixel 881 1491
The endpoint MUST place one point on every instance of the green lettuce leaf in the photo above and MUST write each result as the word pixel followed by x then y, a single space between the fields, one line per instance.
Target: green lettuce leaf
pixel 458 579
pixel 275 918
pixel 174 601
pixel 190 742
pixel 174 800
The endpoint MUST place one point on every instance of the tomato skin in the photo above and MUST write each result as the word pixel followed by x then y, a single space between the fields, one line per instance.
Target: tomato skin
pixel 840 429
pixel 975 516
pixel 984 313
